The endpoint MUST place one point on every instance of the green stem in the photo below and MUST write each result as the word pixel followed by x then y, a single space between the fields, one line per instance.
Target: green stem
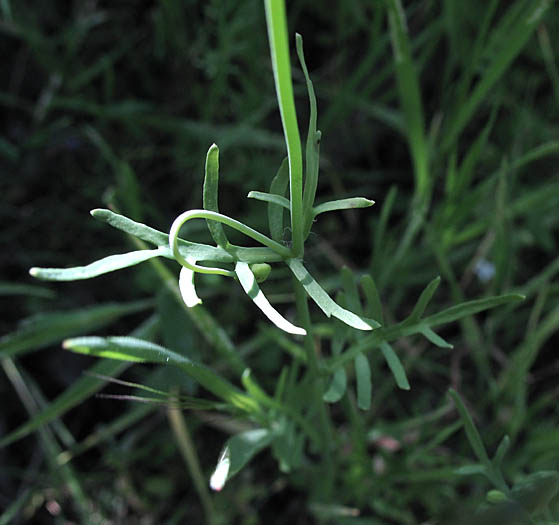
pixel 279 51
pixel 326 428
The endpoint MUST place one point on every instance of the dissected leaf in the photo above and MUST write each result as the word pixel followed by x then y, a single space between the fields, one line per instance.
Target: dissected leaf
pixel 342 204
pixel 100 267
pixel 434 338
pixel 395 365
pixel 364 384
pixel 275 212
pixel 186 285
pixel 251 288
pixel 210 195
pixel 325 302
pixel 337 387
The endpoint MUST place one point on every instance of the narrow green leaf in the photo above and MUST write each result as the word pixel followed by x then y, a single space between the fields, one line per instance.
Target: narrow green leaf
pixel 236 453
pixel 337 387
pixel 410 96
pixel 501 451
pixel 251 288
pixel 275 212
pixel 342 204
pixel 471 431
pixel 186 285
pixel 434 338
pixel 313 143
pixel 470 308
pixel 43 330
pixel 423 301
pixel 25 289
pixel 100 267
pixel 364 384
pixel 395 365
pixel 269 197
pixel 373 306
pixel 325 302
pixel 210 195
pixel 136 350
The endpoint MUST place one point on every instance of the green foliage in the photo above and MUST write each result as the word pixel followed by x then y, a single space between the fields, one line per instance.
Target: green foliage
pixel 328 406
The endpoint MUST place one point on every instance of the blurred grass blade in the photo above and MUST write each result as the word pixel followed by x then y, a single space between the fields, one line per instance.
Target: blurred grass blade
pixel 434 338
pixel 91 382
pixel 236 453
pixel 100 267
pixel 251 288
pixel 395 365
pixel 501 451
pixel 210 195
pixel 470 308
pixel 275 213
pixel 269 197
pixel 342 204
pixel 186 285
pixel 364 384
pixel 337 387
pixel 136 350
pixel 471 431
pixel 325 302
pixel 410 96
pixel 42 330
pixel 31 290
pixel 511 41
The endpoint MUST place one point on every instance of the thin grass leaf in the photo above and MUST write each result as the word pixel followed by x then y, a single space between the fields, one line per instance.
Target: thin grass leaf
pixel 434 338
pixel 470 308
pixel 251 288
pixel 364 384
pixel 395 365
pixel 136 350
pixel 236 453
pixel 342 204
pixel 269 197
pixel 325 302
pixel 512 40
pixel 100 267
pixel 313 144
pixel 210 195
pixel 373 306
pixel 275 213
pixel 423 301
pixel 26 289
pixel 410 96
pixel 43 330
pixel 337 387
pixel 186 285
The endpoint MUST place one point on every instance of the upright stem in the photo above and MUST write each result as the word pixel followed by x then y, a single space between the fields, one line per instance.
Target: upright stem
pixel 326 427
pixel 279 51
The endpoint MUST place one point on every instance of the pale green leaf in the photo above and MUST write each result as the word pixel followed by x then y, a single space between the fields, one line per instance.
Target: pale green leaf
pixel 364 384
pixel 342 204
pixel 337 387
pixel 210 195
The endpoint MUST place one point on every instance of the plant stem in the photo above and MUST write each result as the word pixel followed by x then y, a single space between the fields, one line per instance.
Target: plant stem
pixel 279 51
pixel 326 427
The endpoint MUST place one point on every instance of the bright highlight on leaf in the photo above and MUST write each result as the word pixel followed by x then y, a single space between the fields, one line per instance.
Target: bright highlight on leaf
pixel 248 282
pixel 186 286
pixel 219 477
